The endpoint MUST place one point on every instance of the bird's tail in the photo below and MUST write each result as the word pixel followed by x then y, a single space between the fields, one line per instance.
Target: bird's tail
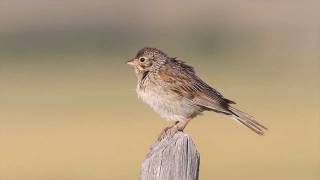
pixel 248 121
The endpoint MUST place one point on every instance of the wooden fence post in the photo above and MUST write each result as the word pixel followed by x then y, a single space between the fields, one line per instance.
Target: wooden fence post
pixel 173 158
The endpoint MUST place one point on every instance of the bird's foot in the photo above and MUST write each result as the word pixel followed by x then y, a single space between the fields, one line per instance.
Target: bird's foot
pixel 168 132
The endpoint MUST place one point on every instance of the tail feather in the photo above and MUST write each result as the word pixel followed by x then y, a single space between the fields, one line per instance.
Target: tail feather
pixel 248 121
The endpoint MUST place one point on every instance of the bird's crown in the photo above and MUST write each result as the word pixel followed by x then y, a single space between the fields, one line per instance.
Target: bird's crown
pixel 149 51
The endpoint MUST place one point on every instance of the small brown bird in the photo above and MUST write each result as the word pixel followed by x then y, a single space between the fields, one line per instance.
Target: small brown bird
pixel 173 89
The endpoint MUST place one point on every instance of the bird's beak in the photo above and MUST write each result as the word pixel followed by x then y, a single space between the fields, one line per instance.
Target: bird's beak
pixel 131 62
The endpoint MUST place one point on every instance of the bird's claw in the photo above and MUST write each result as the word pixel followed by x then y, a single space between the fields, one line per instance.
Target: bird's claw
pixel 168 132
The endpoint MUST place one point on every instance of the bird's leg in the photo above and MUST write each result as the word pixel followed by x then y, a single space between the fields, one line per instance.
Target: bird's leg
pixel 170 131
pixel 182 124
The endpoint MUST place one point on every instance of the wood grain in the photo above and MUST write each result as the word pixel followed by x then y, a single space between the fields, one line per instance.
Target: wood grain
pixel 173 158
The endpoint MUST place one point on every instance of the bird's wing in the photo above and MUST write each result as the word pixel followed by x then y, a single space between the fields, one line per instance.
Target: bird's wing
pixel 182 80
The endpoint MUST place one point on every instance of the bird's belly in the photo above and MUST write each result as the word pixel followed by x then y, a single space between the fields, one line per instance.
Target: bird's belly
pixel 169 105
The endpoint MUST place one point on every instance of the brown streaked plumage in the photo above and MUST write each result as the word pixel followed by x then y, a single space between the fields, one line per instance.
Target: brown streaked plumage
pixel 173 89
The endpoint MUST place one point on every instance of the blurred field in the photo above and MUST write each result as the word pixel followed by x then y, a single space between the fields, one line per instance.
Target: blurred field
pixel 67 99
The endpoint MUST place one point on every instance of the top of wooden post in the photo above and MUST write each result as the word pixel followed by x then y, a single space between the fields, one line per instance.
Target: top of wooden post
pixel 172 158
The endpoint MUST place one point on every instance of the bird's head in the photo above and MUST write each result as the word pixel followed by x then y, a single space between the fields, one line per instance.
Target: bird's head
pixel 148 59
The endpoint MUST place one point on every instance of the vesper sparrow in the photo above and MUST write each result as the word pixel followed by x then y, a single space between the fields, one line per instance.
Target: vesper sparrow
pixel 173 89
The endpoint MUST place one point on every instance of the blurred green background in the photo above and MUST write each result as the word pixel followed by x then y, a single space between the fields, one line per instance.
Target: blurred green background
pixel 68 108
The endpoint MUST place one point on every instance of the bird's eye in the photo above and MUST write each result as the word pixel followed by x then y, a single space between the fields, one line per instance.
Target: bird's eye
pixel 142 59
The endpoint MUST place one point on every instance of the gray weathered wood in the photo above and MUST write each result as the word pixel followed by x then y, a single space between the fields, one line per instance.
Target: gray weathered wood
pixel 174 158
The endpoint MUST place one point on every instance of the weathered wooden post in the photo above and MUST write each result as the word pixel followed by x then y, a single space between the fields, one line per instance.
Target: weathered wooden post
pixel 173 158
